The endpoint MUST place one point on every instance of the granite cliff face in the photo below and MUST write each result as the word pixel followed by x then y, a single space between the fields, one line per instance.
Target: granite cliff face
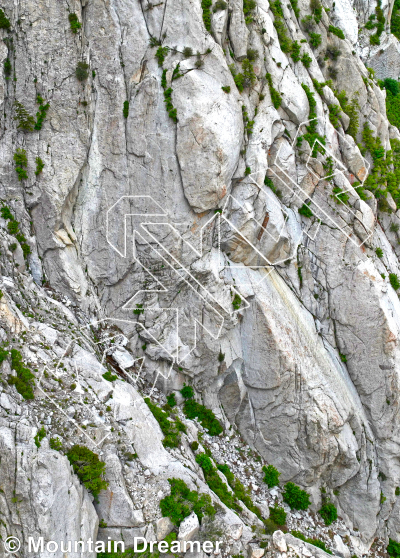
pixel 190 209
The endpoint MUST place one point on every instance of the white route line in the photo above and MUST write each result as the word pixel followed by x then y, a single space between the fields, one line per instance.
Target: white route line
pixel 338 171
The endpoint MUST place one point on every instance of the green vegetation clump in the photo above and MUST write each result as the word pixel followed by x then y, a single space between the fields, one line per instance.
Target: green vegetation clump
pixel 278 515
pixel 351 109
pixel 315 542
pixel 182 501
pixel 380 25
pixel 187 392
pixel 24 380
pixel 171 429
pixel 7 67
pixel 171 401
pixel 295 51
pixel 384 176
pixel 328 512
pixel 392 101
pixel 241 493
pixel 39 166
pixel 306 60
pixel 161 54
pixel 295 7
pixel 13 229
pixel 312 137
pixel 248 7
pixel 81 71
pixel 334 115
pixel 276 97
pixel 206 5
pixel 395 19
pixel 26 122
pixel 110 377
pixel 316 8
pixel 89 469
pixel 305 210
pixel 168 97
pixel 39 436
pixel 205 416
pixel 74 22
pixel 236 302
pixel 55 444
pixel 4 21
pixel 279 24
pixel 315 40
pixel 220 5
pixel 339 196
pixel 271 476
pixel 21 162
pixel 336 31
pixel 379 252
pixel 394 281
pixel 125 110
pixel 295 497
pixel 226 88
pixel 41 114
pixel 393 548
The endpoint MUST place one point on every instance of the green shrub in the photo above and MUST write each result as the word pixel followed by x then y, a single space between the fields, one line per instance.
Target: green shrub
pixel 379 252
pixel 252 54
pixel 278 515
pixel 12 247
pixel 171 400
pixel 312 137
pixel 305 211
pixel 241 493
pixel 271 476
pixel 89 469
pixel 170 429
pixel 314 542
pixel 125 110
pixel 39 166
pixel 110 377
pixel 295 7
pixel 328 512
pixel 205 416
pixel 194 446
pixel 315 40
pixel 295 497
pixel 24 380
pixel 41 114
pixel 21 162
pixel 55 444
pixel 339 195
pixel 336 31
pixel 81 71
pixel 236 302
pixel 74 22
pixel 248 7
pixel 206 5
pixel 187 392
pixel 333 53
pixel 26 122
pixel 306 60
pixel 316 8
pixel 7 67
pixel 394 281
pixel 182 501
pixel 276 97
pixel 226 88
pixel 205 462
pixel 334 114
pixel 39 436
pixel 392 85
pixel 393 548
pixel 4 21
pixel 295 51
